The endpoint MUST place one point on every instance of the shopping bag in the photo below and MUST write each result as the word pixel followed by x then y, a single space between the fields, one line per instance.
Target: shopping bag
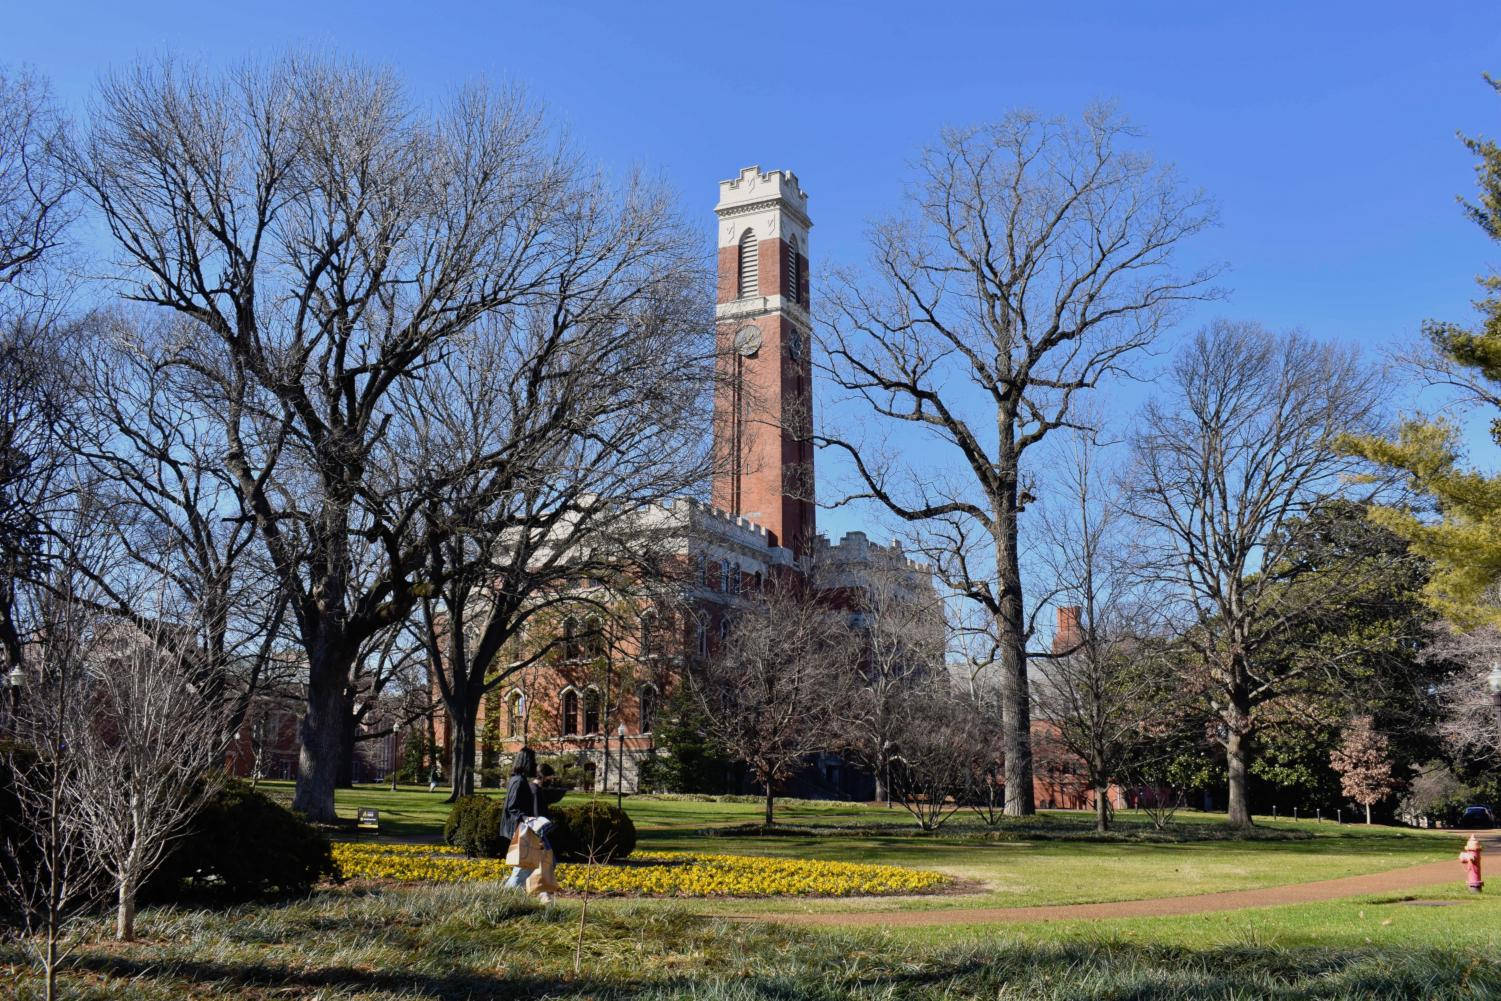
pixel 525 850
pixel 543 879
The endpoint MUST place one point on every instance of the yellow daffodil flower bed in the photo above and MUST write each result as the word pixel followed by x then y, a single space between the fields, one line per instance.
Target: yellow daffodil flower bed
pixel 647 874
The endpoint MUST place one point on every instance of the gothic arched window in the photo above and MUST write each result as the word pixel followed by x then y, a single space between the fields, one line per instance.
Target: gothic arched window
pixel 648 634
pixel 791 283
pixel 594 637
pixel 646 700
pixel 570 712
pixel 591 710
pixel 513 714
pixel 571 648
pixel 750 265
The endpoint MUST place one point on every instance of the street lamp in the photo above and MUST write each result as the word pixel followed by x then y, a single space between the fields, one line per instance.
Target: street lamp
pixel 395 751
pixel 15 681
pixel 620 766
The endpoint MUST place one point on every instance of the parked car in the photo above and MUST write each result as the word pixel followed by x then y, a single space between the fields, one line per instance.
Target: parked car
pixel 1477 816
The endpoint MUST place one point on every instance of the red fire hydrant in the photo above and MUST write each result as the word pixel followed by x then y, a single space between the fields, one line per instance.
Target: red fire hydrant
pixel 1470 859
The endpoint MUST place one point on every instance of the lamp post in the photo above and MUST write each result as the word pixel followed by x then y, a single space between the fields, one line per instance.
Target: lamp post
pixel 395 752
pixel 15 681
pixel 620 768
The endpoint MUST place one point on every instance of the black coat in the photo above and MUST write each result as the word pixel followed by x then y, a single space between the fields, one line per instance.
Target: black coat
pixel 523 801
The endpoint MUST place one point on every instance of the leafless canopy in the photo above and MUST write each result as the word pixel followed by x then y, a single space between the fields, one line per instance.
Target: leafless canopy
pixel 335 258
pixel 770 690
pixel 1036 258
pixel 1239 449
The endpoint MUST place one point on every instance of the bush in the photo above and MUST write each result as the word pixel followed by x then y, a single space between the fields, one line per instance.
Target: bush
pixel 243 846
pixel 492 778
pixel 568 771
pixel 604 829
pixel 473 825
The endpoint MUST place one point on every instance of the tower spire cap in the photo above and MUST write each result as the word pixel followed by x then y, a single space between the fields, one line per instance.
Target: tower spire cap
pixel 755 187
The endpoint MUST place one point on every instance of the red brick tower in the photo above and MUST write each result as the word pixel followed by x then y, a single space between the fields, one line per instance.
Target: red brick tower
pixel 763 413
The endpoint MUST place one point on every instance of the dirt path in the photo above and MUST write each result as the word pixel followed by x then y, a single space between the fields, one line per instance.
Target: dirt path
pixel 1391 881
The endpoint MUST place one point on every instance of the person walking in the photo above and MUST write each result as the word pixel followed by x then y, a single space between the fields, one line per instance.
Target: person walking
pixel 521 803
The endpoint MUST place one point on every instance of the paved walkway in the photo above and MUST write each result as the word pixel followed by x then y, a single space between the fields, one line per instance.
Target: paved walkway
pixel 1395 881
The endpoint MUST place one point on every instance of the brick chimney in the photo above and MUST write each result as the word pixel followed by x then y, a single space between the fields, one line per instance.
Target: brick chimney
pixel 1067 633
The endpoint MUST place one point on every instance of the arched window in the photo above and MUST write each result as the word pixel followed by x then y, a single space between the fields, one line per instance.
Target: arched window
pixel 571 648
pixel 756 580
pixel 702 639
pixel 570 712
pixel 791 284
pixel 735 579
pixel 648 634
pixel 724 576
pixel 646 700
pixel 514 703
pixel 750 265
pixel 591 710
pixel 703 570
pixel 724 630
pixel 594 637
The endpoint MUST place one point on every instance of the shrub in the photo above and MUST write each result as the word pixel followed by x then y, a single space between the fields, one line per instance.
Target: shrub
pixel 243 846
pixel 598 827
pixel 492 778
pixel 568 771
pixel 473 825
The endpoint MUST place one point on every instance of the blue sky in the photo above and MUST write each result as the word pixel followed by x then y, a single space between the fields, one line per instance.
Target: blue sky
pixel 1325 131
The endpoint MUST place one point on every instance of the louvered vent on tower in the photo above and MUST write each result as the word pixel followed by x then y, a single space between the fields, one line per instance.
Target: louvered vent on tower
pixel 791 287
pixel 749 265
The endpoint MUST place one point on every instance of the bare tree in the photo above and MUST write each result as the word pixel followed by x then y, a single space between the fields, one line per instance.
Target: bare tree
pixel 1110 687
pixel 769 691
pixel 46 873
pixel 1239 449
pixel 576 425
pixel 935 736
pixel 1037 259
pixel 327 245
pixel 145 749
pixel 901 632
pixel 34 210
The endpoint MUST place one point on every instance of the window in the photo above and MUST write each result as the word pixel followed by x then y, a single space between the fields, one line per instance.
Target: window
pixel 591 710
pixel 724 630
pixel 570 712
pixel 703 637
pixel 594 637
pixel 735 579
pixel 703 570
pixel 514 703
pixel 648 634
pixel 646 700
pixel 791 286
pixel 750 265
pixel 756 580
pixel 571 648
pixel 724 576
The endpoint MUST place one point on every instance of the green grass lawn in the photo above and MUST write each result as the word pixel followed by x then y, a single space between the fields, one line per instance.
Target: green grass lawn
pixel 473 942
pixel 1015 872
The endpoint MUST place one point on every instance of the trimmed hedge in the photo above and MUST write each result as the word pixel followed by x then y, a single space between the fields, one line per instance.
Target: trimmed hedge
pixel 242 846
pixel 598 827
pixel 473 825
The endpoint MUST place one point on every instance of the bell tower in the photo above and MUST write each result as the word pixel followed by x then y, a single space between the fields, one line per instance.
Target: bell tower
pixel 763 409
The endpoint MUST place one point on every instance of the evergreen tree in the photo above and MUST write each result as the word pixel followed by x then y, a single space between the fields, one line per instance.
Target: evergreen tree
pixel 687 759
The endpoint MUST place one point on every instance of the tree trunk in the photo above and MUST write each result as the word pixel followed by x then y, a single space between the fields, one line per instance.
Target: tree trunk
pixel 125 910
pixel 1102 808
pixel 1368 813
pixel 1011 636
pixel 463 716
pixel 1235 763
pixel 882 795
pixel 347 733
pixel 321 731
pixel 770 799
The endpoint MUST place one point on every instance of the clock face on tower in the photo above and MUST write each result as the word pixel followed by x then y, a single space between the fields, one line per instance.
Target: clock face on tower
pixel 748 340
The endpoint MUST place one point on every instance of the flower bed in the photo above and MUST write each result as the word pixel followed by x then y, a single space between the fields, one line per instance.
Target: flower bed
pixel 652 874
